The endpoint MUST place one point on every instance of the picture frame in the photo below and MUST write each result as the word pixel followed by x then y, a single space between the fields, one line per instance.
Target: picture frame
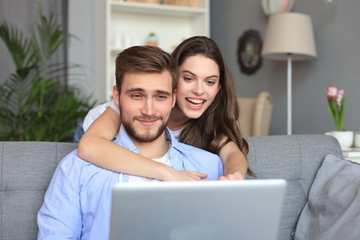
pixel 249 52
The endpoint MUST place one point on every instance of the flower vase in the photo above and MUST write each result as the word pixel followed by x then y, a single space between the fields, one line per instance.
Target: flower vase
pixel 345 138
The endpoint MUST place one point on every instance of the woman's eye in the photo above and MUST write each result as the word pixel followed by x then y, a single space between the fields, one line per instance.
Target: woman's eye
pixel 209 82
pixel 188 79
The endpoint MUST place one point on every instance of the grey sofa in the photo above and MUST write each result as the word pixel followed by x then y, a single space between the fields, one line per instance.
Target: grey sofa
pixel 27 167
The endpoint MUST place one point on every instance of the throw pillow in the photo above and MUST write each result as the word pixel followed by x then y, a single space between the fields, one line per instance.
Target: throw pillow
pixel 333 207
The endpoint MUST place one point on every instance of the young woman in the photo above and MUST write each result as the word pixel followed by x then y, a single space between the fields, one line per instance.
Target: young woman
pixel 204 116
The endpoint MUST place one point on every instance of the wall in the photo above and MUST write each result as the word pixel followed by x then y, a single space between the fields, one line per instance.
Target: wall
pixel 86 22
pixel 81 45
pixel 337 37
pixel 24 14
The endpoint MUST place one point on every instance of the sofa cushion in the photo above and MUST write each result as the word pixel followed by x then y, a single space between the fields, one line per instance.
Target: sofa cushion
pixel 333 207
pixel 27 167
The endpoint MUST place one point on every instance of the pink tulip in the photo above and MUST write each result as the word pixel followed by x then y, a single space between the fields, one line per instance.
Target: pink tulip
pixel 339 96
pixel 331 92
pixel 336 105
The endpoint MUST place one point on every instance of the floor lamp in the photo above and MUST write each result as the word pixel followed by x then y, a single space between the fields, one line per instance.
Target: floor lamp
pixel 289 37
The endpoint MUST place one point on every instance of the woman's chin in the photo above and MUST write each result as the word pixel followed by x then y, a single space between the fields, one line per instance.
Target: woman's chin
pixel 193 114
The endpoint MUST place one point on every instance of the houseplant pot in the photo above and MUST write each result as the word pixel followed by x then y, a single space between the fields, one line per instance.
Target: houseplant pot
pixel 345 138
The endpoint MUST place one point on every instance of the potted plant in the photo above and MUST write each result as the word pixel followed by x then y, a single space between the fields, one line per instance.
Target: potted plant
pixel 35 105
pixel 336 103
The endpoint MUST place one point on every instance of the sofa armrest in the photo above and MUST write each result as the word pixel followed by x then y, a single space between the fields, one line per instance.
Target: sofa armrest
pixel 26 169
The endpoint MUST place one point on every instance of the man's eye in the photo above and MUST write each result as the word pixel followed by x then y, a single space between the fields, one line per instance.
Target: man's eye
pixel 162 97
pixel 136 96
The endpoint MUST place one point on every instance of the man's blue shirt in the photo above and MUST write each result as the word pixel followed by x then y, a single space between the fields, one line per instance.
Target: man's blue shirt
pixel 77 204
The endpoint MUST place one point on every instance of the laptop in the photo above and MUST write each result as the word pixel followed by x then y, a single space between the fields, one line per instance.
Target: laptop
pixel 249 209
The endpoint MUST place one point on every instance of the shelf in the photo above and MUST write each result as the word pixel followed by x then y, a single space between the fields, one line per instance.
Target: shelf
pixel 130 23
pixel 115 50
pixel 156 9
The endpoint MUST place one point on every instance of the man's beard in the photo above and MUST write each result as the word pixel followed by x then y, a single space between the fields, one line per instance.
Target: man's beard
pixel 147 137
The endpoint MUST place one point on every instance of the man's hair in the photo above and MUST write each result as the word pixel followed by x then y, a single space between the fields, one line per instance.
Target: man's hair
pixel 144 59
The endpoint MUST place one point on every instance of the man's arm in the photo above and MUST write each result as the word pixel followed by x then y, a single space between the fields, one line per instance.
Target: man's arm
pixel 60 215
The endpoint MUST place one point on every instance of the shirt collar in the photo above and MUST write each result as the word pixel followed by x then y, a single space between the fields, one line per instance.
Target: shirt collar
pixel 124 140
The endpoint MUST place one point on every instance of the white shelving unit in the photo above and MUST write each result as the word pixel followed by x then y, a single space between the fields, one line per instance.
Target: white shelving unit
pixel 130 23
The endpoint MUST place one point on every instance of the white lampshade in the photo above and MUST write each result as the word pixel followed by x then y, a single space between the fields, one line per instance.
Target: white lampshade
pixel 289 33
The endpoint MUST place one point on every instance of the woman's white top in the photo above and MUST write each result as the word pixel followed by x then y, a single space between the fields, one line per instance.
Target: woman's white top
pixel 134 179
pixel 94 113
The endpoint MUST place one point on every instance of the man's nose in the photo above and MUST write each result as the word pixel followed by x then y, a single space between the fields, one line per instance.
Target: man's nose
pixel 148 107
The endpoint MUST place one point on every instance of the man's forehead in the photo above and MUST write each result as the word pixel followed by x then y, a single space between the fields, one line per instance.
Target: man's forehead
pixel 147 82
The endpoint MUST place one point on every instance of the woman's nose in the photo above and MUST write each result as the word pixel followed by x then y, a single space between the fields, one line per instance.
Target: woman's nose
pixel 198 88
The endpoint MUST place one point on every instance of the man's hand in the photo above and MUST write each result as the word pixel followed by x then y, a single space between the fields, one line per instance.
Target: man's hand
pixel 232 176
pixel 185 175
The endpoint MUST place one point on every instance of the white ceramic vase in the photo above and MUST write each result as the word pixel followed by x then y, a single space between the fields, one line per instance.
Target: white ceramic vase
pixel 345 138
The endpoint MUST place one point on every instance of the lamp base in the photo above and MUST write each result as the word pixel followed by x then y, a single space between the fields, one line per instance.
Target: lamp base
pixel 289 88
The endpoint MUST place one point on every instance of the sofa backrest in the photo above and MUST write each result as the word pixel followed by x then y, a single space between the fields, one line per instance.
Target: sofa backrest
pixel 26 169
pixel 295 158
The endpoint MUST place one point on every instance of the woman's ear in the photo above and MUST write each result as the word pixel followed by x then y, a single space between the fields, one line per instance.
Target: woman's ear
pixel 116 95
pixel 174 98
pixel 219 87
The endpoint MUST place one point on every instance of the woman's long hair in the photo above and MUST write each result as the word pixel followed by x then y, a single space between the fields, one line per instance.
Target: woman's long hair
pixel 220 119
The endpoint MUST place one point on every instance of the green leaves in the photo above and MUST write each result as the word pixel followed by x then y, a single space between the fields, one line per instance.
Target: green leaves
pixel 35 105
pixel 337 112
pixel 19 47
pixel 340 123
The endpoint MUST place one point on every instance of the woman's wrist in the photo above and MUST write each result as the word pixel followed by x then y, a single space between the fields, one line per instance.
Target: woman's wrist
pixel 165 172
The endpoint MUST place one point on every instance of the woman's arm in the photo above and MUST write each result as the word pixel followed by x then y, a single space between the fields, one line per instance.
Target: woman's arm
pixel 95 146
pixel 234 161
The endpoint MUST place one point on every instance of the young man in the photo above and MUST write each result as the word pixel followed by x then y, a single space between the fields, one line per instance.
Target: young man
pixel 77 203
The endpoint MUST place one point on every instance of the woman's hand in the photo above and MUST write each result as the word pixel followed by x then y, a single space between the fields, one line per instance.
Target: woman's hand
pixel 232 176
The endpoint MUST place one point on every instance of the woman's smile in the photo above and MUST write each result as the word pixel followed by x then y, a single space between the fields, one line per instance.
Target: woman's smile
pixel 195 103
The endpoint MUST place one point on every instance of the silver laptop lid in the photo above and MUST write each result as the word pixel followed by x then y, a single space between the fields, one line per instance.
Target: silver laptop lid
pixel 249 209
